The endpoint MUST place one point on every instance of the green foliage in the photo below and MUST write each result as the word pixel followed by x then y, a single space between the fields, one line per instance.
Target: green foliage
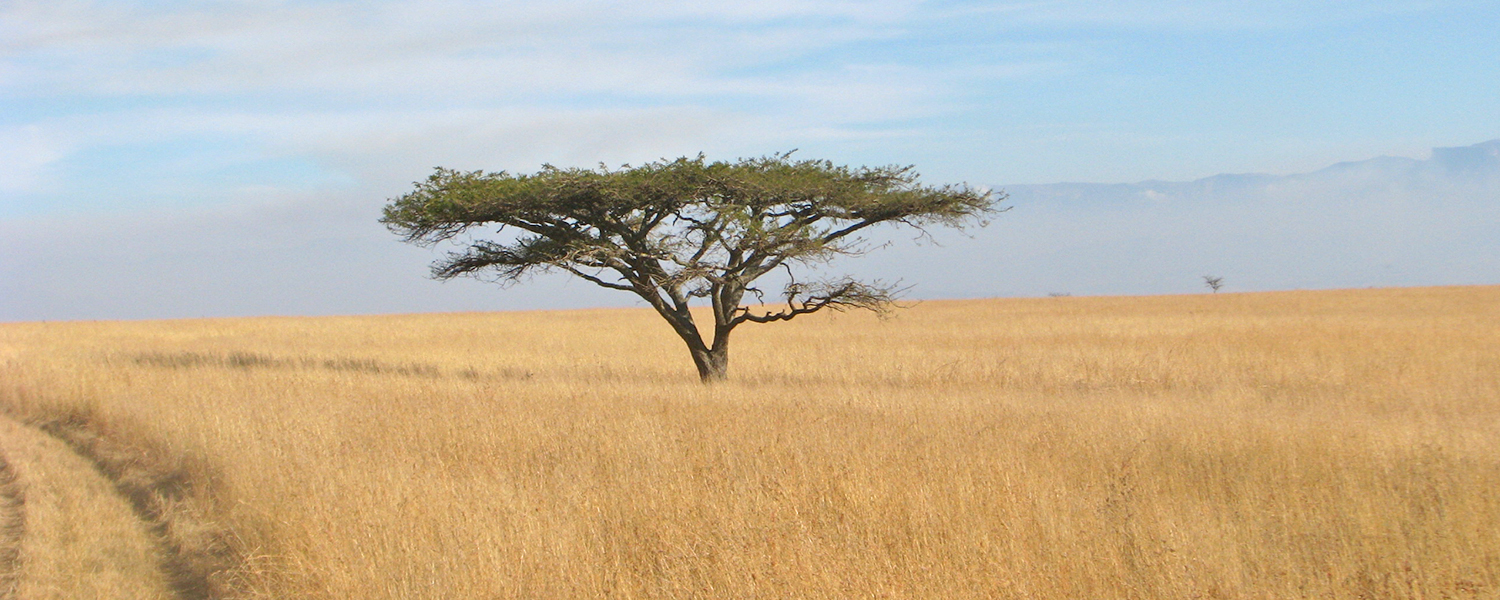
pixel 673 230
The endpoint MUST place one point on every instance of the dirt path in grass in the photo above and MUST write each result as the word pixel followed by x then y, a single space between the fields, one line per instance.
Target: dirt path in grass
pixel 65 532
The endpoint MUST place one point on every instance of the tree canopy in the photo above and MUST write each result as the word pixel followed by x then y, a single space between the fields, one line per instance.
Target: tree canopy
pixel 673 231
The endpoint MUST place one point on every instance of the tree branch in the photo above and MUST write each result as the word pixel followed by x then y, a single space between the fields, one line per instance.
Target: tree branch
pixel 839 295
pixel 597 280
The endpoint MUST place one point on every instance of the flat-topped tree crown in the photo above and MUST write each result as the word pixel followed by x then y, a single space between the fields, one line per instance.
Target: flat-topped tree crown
pixel 676 230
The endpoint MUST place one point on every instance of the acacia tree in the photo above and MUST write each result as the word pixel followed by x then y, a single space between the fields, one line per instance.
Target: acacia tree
pixel 673 231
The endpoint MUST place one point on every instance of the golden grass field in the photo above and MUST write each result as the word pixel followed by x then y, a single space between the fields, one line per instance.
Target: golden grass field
pixel 1329 444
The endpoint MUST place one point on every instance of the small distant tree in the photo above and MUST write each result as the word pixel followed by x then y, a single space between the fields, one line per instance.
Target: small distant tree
pixel 1213 283
pixel 673 231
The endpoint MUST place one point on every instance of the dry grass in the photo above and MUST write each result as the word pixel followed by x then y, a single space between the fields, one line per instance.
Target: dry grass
pixel 77 538
pixel 1339 444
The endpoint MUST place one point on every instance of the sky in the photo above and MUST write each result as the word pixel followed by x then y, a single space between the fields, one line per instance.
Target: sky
pixel 182 159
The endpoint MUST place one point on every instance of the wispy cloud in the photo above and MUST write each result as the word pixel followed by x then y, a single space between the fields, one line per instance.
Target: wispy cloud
pixel 440 50
pixel 519 82
pixel 84 74
pixel 1190 15
pixel 139 110
pixel 367 90
pixel 25 154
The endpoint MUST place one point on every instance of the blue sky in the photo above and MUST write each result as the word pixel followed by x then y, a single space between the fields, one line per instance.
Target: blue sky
pixel 123 110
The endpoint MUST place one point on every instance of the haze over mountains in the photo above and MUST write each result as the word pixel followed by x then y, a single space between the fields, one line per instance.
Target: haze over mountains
pixel 1450 170
pixel 1385 221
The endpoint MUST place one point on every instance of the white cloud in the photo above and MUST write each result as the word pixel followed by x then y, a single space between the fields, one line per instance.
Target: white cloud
pixel 1190 14
pixel 25 154
pixel 376 145
pixel 371 89
pixel 402 48
pixel 367 87
pixel 468 54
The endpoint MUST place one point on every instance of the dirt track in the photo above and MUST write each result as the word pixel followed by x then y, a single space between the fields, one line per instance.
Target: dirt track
pixel 65 532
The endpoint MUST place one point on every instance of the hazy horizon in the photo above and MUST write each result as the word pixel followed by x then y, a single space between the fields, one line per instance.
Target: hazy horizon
pixel 1380 222
pixel 164 160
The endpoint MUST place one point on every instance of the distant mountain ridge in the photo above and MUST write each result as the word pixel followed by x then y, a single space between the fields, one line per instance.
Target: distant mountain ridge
pixel 1481 157
pixel 1385 221
pixel 1465 166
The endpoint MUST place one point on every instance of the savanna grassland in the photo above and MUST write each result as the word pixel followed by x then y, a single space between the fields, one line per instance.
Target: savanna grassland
pixel 1332 444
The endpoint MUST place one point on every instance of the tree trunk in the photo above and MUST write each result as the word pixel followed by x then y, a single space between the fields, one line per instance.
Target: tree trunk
pixel 712 361
pixel 713 365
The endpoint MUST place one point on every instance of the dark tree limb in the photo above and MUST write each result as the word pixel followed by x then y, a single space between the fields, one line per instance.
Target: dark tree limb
pixel 802 299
